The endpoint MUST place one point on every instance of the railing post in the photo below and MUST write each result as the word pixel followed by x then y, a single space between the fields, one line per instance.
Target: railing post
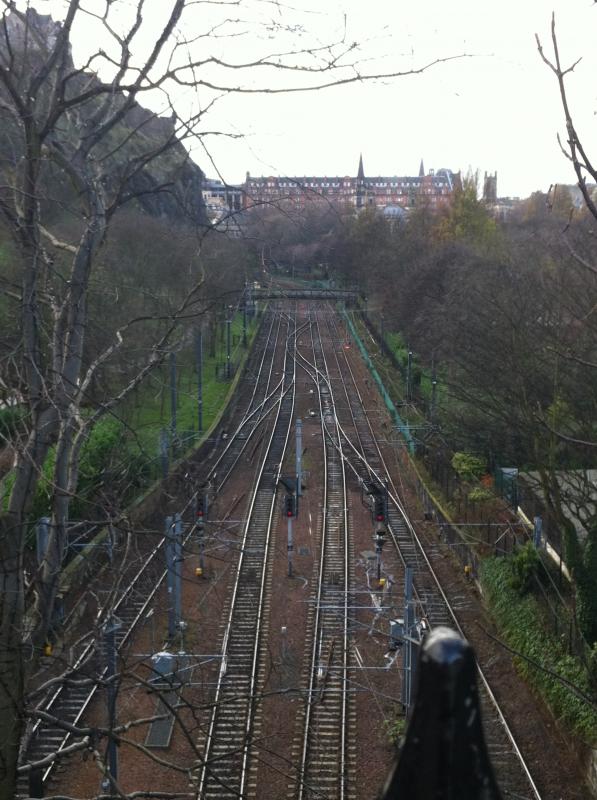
pixel 444 755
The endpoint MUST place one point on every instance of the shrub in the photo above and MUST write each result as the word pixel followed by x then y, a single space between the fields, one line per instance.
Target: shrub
pixel 468 466
pixel 97 455
pixel 394 730
pixel 519 620
pixel 524 564
pixel 479 495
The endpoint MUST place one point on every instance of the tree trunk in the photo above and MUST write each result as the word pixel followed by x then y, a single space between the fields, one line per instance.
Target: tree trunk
pixel 11 657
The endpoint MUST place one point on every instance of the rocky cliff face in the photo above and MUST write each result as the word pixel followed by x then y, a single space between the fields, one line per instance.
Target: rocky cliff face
pixel 168 186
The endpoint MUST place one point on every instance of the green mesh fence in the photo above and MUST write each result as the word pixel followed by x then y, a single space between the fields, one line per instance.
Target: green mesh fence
pixel 402 426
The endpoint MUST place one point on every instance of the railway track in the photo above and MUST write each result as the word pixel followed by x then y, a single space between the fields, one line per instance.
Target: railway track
pixel 324 748
pixel 226 770
pixel 68 703
pixel 366 458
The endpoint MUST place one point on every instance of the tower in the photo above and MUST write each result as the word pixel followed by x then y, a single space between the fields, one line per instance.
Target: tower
pixel 490 188
pixel 421 170
pixel 360 194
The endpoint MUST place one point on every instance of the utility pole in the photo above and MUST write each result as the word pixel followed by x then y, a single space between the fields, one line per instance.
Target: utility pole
pixel 201 537
pixel 228 326
pixel 164 452
pixel 109 632
pixel 200 512
pixel 244 322
pixel 409 370
pixel 199 360
pixel 299 453
pixel 408 655
pixel 42 532
pixel 170 578
pixel 173 398
pixel 433 391
pixel 178 561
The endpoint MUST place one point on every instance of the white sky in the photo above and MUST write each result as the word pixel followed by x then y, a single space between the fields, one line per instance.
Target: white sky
pixel 495 110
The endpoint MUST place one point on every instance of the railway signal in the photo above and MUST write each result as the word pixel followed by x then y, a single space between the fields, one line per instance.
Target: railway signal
pixel 299 453
pixel 379 537
pixel 380 508
pixel 289 508
pixel 289 513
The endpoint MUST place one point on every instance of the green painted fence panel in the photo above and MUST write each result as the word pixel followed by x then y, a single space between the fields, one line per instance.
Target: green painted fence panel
pixel 402 426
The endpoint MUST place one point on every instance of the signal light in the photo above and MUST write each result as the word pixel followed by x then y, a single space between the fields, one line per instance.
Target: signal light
pixel 380 508
pixel 200 507
pixel 289 505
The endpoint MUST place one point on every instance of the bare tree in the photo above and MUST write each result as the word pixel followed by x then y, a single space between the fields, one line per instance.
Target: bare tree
pixel 75 135
pixel 574 149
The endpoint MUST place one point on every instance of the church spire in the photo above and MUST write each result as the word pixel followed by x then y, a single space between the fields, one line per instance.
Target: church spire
pixel 421 170
pixel 361 172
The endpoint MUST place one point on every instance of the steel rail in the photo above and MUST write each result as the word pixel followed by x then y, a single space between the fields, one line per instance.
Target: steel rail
pixel 206 770
pixel 395 499
pixel 327 553
pixel 62 694
pixel 262 413
pixel 252 411
pixel 253 685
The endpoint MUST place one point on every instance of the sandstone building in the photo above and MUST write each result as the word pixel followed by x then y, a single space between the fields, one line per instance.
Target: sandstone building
pixel 432 189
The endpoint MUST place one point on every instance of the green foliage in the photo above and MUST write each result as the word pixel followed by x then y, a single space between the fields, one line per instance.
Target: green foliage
pixel 97 451
pixel 525 564
pixel 6 485
pixel 42 500
pixel 10 418
pixel 558 413
pixel 479 494
pixel 582 560
pixel 467 219
pixel 468 466
pixel 394 730
pixel 97 454
pixel 519 620
pixel 592 667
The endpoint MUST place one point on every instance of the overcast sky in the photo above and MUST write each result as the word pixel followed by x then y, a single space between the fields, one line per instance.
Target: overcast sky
pixel 497 109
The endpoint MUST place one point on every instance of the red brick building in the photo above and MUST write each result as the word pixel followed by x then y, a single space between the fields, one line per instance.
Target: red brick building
pixel 433 189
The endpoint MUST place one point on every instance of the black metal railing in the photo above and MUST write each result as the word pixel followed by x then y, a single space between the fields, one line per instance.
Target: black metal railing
pixel 444 755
